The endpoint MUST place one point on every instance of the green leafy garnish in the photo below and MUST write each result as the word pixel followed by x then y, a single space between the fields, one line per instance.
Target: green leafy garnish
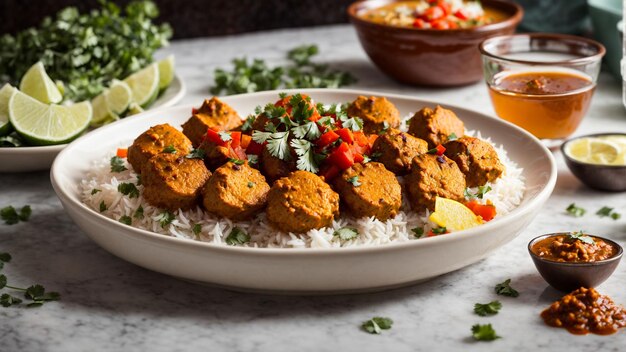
pixel 117 164
pixel 128 189
pixel 480 192
pixel 346 233
pixel 39 296
pixel 237 161
pixel 418 231
pixel 103 206
pixel 490 308
pixel 169 149
pixel 10 216
pixel 452 137
pixel 125 219
pixel 11 141
pixel 237 236
pixel 354 180
pixel 606 211
pixel 35 293
pixel 197 228
pixel 580 236
pixel 138 213
pixel 250 184
pixel 440 230
pixel 86 50
pixel 253 159
pixel 247 124
pixel 196 154
pixel 505 289
pixel 6 300
pixel 575 211
pixel 5 257
pixel 95 190
pixel 377 324
pixel 225 136
pixel 165 218
pixel 484 332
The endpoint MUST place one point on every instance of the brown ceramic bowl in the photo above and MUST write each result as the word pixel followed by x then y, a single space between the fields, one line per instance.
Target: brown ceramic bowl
pixel 568 276
pixel 429 57
pixel 602 177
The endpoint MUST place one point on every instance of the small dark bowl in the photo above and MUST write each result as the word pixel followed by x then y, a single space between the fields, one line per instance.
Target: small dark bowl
pixel 566 276
pixel 602 177
pixel 432 57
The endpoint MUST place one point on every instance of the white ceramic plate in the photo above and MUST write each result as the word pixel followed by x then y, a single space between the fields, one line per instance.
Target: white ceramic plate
pixel 25 159
pixel 302 271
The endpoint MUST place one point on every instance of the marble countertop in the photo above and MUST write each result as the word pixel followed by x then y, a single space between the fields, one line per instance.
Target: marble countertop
pixel 110 305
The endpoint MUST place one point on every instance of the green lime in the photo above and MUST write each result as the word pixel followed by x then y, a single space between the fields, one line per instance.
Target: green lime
pixel 38 85
pixel 102 112
pixel 145 85
pixel 5 94
pixel 43 124
pixel 118 97
pixel 166 72
pixel 134 109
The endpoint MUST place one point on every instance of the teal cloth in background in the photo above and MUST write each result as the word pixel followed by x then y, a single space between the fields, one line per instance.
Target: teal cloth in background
pixel 555 16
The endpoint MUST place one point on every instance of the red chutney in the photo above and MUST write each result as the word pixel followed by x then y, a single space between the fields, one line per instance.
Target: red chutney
pixel 586 311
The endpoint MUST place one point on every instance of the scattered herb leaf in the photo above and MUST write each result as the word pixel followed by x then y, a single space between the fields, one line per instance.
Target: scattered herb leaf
pixel 606 211
pixel 125 219
pixel 505 289
pixel 575 211
pixel 128 189
pixel 440 230
pixel 6 300
pixel 237 236
pixel 165 218
pixel 197 228
pixel 490 308
pixel 484 332
pixel 117 164
pixel 377 324
pixel 418 231
pixel 138 213
pixel 580 236
pixel 95 190
pixel 103 206
pixel 169 149
pixel 346 233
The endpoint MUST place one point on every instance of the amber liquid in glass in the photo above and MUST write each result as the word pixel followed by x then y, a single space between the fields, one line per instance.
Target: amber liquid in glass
pixel 550 105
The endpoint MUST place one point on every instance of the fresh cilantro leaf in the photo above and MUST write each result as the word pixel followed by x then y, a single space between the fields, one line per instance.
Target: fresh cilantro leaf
pixel 253 159
pixel 575 211
pixel 307 159
pixel 302 55
pixel 484 332
pixel 452 137
pixel 278 145
pixel 196 154
pixel 606 211
pixel 125 219
pixel 237 236
pixel 439 230
pixel 346 233
pixel 6 300
pixel 197 228
pixel 385 128
pixel 138 213
pixel 580 236
pixel 482 190
pixel 237 161
pixel 250 184
pixel 169 149
pixel 377 324
pixel 615 216
pixel 9 215
pixel 3 281
pixel 11 141
pixel 308 131
pixel 418 231
pixel 5 257
pixel 95 190
pixel 165 218
pixel 247 124
pixel 505 289
pixel 353 123
pixel 117 164
pixel 490 308
pixel 261 137
pixel 354 180
pixel 225 136
pixel 128 189
pixel 38 294
pixel 103 206
pixel 282 95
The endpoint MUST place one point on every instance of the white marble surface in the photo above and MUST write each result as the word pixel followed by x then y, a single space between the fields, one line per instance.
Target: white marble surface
pixel 110 305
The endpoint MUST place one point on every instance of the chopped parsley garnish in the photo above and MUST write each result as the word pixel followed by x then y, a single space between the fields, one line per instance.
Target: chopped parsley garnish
pixel 11 216
pixel 95 190
pixel 490 308
pixel 138 213
pixel 197 228
pixel 225 136
pixel 103 206
pixel 452 137
pixel 484 332
pixel 247 124
pixel 237 236
pixel 439 230
pixel 418 231
pixel 606 211
pixel 5 257
pixel 117 164
pixel 346 233
pixel 125 219
pixel 575 211
pixel 377 324
pixel 250 184
pixel 580 236
pixel 6 300
pixel 480 192
pixel 169 149
pixel 36 294
pixel 505 289
pixel 237 161
pixel 165 218
pixel 432 151
pixel 128 189
pixel 354 180
pixel 196 154
pixel 354 123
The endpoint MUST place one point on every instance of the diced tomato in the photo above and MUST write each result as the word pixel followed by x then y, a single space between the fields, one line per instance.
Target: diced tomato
pixel 372 138
pixel 360 138
pixel 236 139
pixel 255 148
pixel 194 111
pixel 245 141
pixel 419 23
pixel 461 14
pixel 122 152
pixel 433 13
pixel 485 211
pixel 329 172
pixel 358 158
pixel 445 6
pixel 342 157
pixel 441 24
pixel 346 135
pixel 213 136
pixel 440 149
pixel 327 138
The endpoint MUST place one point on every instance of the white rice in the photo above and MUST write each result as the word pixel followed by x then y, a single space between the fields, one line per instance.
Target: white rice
pixel 506 194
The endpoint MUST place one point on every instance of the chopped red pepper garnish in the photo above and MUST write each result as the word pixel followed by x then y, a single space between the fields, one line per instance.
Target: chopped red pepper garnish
pixel 346 135
pixel 327 138
pixel 485 211
pixel 254 148
pixel 122 152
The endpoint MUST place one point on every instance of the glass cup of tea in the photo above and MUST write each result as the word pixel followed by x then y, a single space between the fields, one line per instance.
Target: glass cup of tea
pixel 542 82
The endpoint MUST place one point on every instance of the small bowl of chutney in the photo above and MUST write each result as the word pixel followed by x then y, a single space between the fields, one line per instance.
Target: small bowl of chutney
pixel 542 82
pixel 569 260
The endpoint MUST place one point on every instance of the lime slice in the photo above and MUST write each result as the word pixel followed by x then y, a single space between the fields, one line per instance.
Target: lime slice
pixel 145 85
pixel 38 85
pixel 603 152
pixel 453 215
pixel 5 94
pixel 43 124
pixel 134 109
pixel 102 113
pixel 166 72
pixel 118 97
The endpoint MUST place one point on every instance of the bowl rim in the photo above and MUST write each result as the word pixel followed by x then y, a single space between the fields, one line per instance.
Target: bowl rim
pixel 616 257
pixel 513 20
pixel 600 49
pixel 68 200
pixel 581 163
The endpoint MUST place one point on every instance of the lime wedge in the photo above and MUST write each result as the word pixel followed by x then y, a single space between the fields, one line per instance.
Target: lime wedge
pixel 43 124
pixel 118 97
pixel 102 113
pixel 38 85
pixel 145 85
pixel 134 109
pixel 5 94
pixel 453 215
pixel 166 72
